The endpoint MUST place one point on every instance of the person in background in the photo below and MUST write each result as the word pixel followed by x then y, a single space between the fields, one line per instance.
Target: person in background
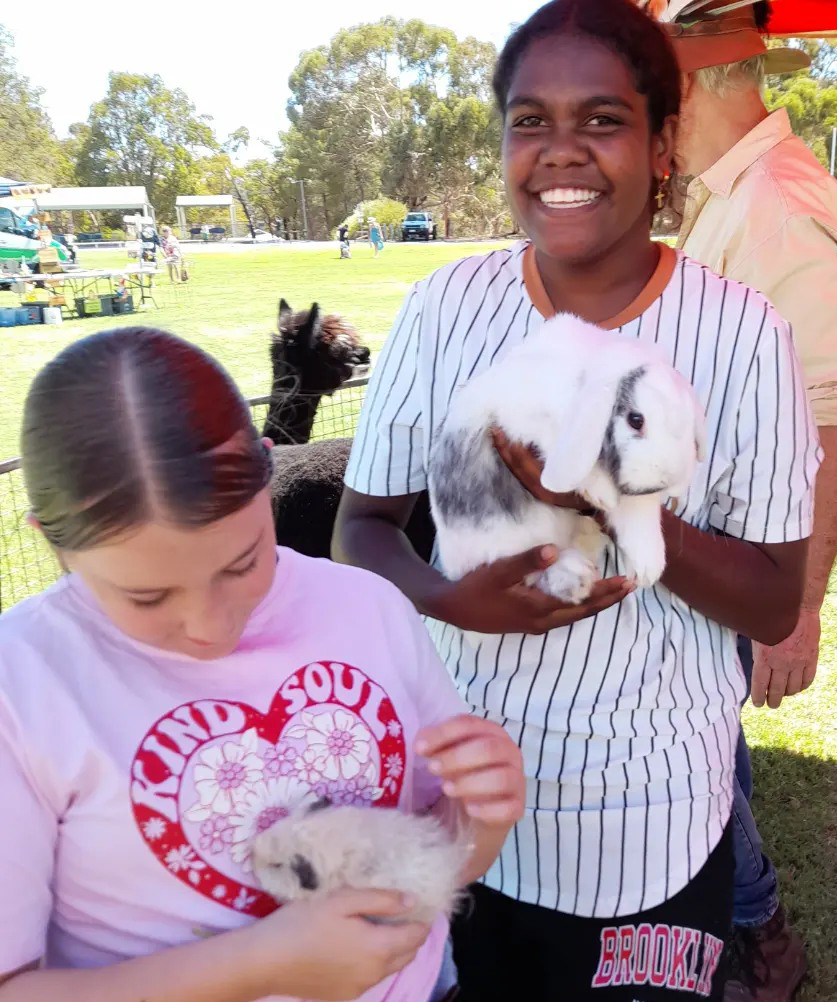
pixel 171 250
pixel 149 242
pixel 71 243
pixel 343 240
pixel 762 210
pixel 376 235
pixel 198 688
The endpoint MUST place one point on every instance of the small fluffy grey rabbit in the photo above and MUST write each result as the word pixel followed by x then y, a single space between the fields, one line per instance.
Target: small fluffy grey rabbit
pixel 319 849
pixel 612 420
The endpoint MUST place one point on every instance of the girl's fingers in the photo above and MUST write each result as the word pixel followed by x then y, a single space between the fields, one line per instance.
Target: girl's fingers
pixel 432 740
pixel 473 756
pixel 496 812
pixel 492 783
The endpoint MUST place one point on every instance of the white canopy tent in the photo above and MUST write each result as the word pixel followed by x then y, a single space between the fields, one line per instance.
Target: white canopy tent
pixel 184 202
pixel 106 199
pixel 10 188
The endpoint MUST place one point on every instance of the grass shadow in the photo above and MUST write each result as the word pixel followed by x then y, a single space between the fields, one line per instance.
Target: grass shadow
pixel 795 804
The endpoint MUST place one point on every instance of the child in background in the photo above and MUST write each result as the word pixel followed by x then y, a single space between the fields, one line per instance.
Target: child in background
pixel 173 254
pixel 376 235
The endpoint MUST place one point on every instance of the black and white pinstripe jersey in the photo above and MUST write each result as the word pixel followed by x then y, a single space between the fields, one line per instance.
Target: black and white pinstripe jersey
pixel 627 721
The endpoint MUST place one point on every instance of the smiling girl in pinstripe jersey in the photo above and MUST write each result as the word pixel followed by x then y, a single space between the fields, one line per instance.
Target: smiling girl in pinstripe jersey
pixel 617 882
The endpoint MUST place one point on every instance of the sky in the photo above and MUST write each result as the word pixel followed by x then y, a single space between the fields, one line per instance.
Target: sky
pixel 233 64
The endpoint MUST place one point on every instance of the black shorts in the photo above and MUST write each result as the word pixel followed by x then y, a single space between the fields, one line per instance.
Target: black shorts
pixel 509 951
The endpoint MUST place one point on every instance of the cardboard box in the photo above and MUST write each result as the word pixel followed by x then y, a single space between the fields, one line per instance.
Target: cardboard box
pixel 48 260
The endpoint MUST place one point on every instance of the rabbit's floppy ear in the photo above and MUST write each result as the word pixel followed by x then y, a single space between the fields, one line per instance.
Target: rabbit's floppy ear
pixel 682 387
pixel 572 456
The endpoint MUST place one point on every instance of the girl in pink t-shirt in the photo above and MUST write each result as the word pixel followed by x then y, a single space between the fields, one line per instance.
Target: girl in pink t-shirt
pixel 182 687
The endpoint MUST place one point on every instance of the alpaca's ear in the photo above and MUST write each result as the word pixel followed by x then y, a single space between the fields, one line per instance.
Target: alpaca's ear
pixel 311 329
pixel 284 310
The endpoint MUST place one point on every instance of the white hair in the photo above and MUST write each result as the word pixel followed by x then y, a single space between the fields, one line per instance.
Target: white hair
pixel 319 849
pixel 730 77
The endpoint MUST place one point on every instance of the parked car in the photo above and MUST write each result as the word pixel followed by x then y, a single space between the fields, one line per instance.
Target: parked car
pixel 419 226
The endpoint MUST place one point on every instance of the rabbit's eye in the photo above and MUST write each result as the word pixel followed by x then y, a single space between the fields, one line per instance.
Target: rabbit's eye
pixel 636 421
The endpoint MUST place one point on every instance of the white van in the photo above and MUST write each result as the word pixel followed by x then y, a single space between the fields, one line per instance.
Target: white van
pixel 19 240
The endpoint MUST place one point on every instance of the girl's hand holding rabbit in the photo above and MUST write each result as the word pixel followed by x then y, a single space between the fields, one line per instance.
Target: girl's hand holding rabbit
pixel 326 949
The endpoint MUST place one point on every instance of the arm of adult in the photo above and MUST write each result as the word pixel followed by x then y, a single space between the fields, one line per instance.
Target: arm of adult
pixel 369 532
pixel 790 667
pixel 796 268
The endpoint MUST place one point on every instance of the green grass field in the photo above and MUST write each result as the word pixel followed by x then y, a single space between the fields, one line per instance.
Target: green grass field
pixel 229 308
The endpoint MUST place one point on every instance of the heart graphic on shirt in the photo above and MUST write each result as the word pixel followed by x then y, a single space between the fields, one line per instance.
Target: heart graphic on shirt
pixel 211 774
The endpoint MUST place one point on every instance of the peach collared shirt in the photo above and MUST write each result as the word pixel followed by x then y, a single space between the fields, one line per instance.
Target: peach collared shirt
pixel 765 215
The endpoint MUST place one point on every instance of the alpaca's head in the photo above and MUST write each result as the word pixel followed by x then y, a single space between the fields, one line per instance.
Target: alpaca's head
pixel 314 354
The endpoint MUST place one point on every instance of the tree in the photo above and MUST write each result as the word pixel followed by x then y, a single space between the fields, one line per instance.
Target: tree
pixel 810 98
pixel 387 211
pixel 397 108
pixel 145 134
pixel 272 192
pixel 240 137
pixel 812 107
pixel 29 150
pixel 464 140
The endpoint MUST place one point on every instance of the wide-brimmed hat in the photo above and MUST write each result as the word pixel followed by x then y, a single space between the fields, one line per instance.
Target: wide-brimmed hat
pixel 716 32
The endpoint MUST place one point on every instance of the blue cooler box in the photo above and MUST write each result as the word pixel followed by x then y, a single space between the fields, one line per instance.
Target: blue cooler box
pixel 31 313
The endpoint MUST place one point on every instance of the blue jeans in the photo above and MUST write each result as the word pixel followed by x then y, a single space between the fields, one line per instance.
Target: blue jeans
pixel 756 887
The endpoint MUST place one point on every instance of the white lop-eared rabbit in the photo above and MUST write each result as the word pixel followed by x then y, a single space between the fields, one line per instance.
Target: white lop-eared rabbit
pixel 319 849
pixel 611 419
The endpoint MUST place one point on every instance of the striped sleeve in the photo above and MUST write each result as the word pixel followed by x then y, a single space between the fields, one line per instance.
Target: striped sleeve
pixel 767 493
pixel 387 457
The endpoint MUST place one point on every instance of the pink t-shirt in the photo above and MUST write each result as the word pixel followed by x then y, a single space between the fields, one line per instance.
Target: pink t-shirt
pixel 133 779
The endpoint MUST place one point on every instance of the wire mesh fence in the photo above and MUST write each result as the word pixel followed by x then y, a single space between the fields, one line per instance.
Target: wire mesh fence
pixel 27 565
pixel 201 310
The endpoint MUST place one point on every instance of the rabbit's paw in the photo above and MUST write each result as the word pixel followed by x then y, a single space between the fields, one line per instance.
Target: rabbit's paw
pixel 644 558
pixel 570 578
